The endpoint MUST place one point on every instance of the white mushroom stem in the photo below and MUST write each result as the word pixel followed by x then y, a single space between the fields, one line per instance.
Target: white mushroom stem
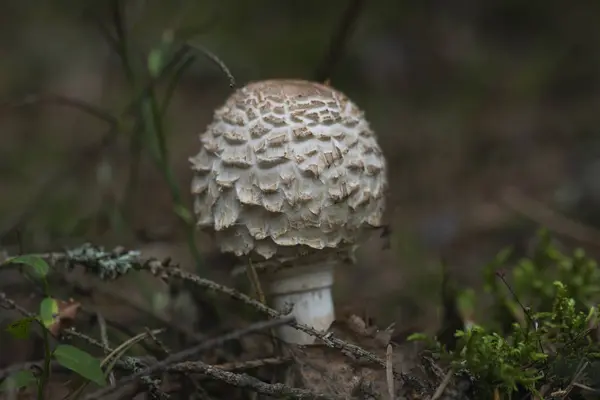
pixel 308 290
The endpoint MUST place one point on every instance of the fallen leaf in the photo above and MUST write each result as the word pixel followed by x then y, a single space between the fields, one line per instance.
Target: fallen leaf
pixel 67 312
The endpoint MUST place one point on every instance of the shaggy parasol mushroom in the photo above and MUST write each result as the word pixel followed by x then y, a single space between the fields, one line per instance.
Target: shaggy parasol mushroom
pixel 290 170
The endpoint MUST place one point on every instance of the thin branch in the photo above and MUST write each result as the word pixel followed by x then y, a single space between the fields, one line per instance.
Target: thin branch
pixel 118 17
pixel 526 310
pixel 104 338
pixel 110 265
pixel 131 364
pixel 188 353
pixel 269 389
pixel 238 380
pixel 117 41
pixel 586 388
pixel 443 385
pixel 339 39
pixel 9 304
pixel 172 85
pixel 389 371
pixel 215 59
pixel 327 337
pixel 236 366
pixel 583 364
pixel 184 367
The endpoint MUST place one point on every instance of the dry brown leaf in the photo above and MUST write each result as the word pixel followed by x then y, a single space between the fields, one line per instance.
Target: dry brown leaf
pixel 67 312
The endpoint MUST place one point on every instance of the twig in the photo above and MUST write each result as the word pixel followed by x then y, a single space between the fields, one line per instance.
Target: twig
pixel 525 310
pixel 580 370
pixel 177 357
pixel 327 337
pixel 9 304
pixel 260 295
pixel 121 42
pixel 187 368
pixel 255 282
pixel 182 367
pixel 443 385
pixel 55 366
pixel 532 321
pixel 586 388
pixel 196 386
pixel 247 382
pixel 114 295
pixel 389 371
pixel 131 364
pixel 338 40
pixel 236 366
pixel 176 78
pixel 36 366
pixel 111 265
pixel 73 333
pixel 111 359
pixel 104 338
pixel 213 57
pixel 159 343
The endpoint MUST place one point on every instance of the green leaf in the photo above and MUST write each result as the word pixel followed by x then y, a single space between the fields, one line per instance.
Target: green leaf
pixel 18 380
pixel 465 302
pixel 20 329
pixel 417 337
pixel 158 55
pixel 184 214
pixel 459 334
pixel 538 356
pixel 39 265
pixel 48 311
pixel 155 61
pixel 80 362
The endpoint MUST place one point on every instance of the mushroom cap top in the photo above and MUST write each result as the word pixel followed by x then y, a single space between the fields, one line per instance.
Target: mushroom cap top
pixel 286 167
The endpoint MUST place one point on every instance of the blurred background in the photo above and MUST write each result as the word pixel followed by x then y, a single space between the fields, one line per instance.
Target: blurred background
pixel 487 113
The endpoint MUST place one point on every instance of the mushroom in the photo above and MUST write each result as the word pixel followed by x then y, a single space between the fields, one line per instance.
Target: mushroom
pixel 290 176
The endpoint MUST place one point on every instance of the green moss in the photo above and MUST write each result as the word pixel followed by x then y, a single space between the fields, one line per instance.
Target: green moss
pixel 542 333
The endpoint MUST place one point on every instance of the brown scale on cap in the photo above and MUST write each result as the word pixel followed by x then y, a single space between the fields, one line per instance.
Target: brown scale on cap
pixel 288 166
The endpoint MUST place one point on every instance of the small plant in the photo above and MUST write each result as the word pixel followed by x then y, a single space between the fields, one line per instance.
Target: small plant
pixel 527 349
pixel 49 320
pixel 530 285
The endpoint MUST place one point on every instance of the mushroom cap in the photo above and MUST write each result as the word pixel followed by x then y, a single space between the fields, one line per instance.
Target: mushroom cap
pixel 286 167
